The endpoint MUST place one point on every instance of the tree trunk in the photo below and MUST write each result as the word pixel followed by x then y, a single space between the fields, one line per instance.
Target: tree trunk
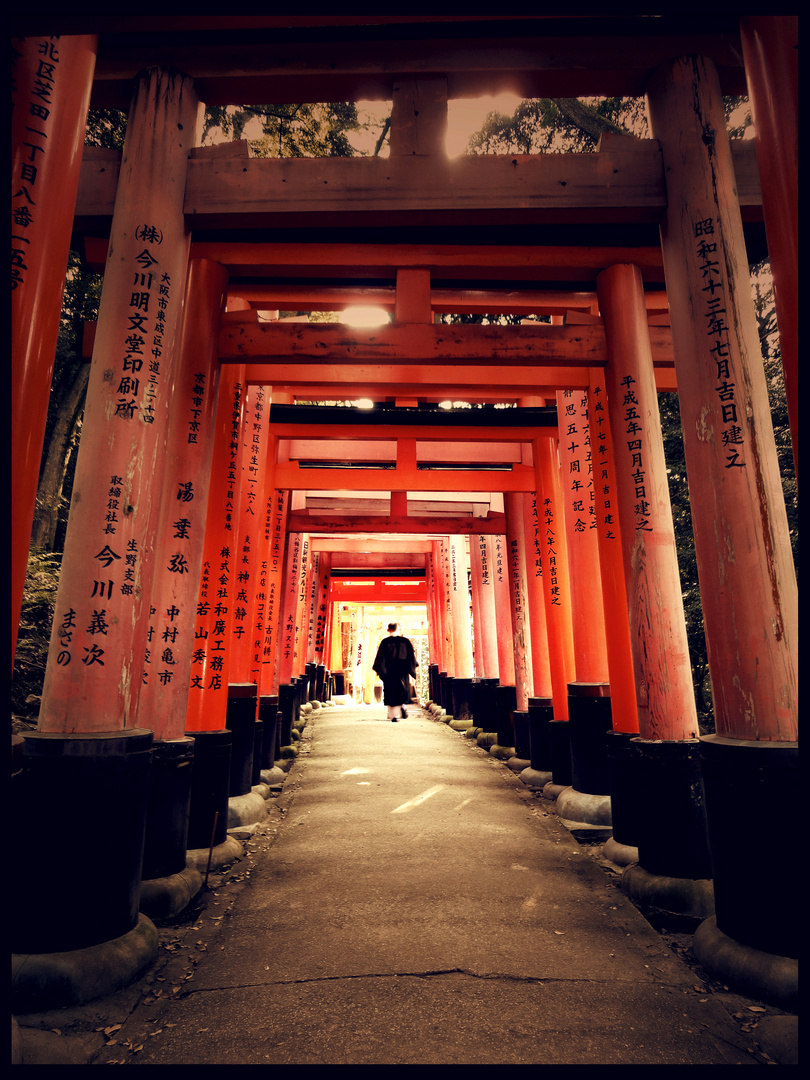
pixel 54 471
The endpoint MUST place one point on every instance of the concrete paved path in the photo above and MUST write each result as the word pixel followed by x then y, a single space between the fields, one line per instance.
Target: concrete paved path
pixel 410 902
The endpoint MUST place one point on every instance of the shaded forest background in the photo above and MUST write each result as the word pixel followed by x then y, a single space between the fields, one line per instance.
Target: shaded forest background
pixel 569 125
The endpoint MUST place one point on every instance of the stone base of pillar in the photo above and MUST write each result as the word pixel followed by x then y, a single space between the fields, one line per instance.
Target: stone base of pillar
pixel 535 778
pixel 246 809
pixel 518 764
pixel 584 815
pixel 459 725
pixel 220 855
pixel 473 733
pixel 553 790
pixel 618 854
pixel 757 974
pixel 690 897
pixel 274 777
pixel 487 739
pixel 502 753
pixel 164 897
pixel 43 981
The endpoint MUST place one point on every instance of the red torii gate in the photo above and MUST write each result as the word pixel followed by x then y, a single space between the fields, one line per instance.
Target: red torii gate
pixel 166 185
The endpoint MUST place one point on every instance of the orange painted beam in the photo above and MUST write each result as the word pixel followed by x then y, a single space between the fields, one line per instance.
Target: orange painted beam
pixel 404 478
pixel 302 521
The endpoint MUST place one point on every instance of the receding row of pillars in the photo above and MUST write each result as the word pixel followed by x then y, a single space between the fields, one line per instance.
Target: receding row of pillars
pixel 137 652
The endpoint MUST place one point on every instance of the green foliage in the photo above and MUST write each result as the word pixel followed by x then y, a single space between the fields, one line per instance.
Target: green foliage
pixel 565 125
pixel 309 130
pixel 33 639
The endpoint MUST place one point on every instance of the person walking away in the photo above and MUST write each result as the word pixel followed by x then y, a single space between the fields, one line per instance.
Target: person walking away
pixel 395 663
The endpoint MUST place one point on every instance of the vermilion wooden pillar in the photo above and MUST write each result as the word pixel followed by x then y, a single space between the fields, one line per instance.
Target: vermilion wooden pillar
pixel 249 522
pixel 771 52
pixel 179 552
pixel 276 530
pixel 663 676
pixel 208 685
pixel 516 561
pixel 50 96
pixel 624 709
pixel 541 667
pixel 556 590
pixel 745 566
pixel 747 580
pixel 292 570
pixel 87 754
pixel 541 664
pixel 486 630
pixel 503 611
pixel 582 544
pixel 95 662
pixel 459 608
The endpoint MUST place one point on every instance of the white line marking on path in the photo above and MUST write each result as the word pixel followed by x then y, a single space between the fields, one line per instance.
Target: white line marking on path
pixel 406 806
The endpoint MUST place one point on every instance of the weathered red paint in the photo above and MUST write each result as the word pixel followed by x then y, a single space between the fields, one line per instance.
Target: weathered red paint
pixel 181 537
pixel 747 579
pixel 95 663
pixel 46 141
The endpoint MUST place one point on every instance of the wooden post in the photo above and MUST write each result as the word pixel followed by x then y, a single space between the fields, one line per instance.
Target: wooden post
pixel 503 612
pixel 249 536
pixel 95 664
pixel 747 579
pixel 624 709
pixel 208 685
pixel 51 93
pixel 557 591
pixel 666 701
pixel 541 663
pixel 587 608
pixel 486 630
pixel 460 608
pixel 771 52
pixel 745 566
pixel 179 552
pixel 516 560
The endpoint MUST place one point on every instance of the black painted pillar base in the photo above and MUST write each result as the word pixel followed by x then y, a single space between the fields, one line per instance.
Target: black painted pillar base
pixel 560 741
pixel 462 701
pixel 505 705
pixel 521 759
pixel 210 787
pixel 339 683
pixel 538 774
pixel 166 837
pixel 752 812
pixel 268 715
pixel 320 681
pixel 589 720
pixel 624 775
pixel 674 869
pixel 447 693
pixel 70 784
pixel 289 704
pixel 240 719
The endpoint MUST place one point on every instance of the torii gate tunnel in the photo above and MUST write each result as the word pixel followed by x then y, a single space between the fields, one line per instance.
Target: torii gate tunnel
pixel 236 508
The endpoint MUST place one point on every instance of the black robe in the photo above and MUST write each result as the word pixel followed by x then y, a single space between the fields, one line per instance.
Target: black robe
pixel 394 662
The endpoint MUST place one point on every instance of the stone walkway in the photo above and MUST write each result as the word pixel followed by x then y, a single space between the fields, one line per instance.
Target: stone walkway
pixel 410 901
